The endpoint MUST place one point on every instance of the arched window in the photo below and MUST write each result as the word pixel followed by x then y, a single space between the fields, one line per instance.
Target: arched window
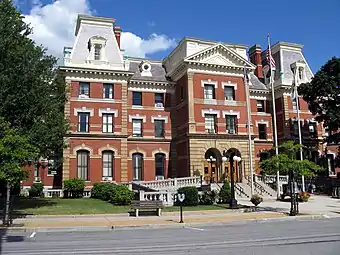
pixel 83 164
pixel 137 166
pixel 159 165
pixel 108 168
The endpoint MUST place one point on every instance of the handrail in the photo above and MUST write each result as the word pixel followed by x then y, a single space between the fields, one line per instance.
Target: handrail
pixel 240 189
pixel 257 186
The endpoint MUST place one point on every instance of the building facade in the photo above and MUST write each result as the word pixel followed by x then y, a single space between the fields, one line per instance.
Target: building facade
pixel 138 119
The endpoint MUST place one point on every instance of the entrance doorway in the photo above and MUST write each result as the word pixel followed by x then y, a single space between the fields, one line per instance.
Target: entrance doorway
pixel 227 168
pixel 212 166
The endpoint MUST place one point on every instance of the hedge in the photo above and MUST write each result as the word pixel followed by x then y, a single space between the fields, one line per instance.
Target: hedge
pixel 191 196
pixel 113 193
pixel 74 188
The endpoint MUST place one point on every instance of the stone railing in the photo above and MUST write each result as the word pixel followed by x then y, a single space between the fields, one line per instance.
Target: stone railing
pixel 165 196
pixel 172 184
pixel 58 193
pixel 283 179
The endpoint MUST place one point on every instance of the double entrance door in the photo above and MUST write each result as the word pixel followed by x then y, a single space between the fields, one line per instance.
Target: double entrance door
pixel 212 173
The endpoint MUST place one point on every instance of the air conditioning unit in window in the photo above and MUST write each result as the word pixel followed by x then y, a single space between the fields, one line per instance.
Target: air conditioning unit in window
pixel 83 96
pixel 159 105
pixel 37 179
pixel 107 179
pixel 160 177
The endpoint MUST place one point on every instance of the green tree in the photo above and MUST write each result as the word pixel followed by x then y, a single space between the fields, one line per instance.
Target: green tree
pixel 323 94
pixel 32 91
pixel 286 162
pixel 15 150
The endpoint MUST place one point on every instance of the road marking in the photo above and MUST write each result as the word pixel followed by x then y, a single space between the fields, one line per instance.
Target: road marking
pixel 33 234
pixel 199 229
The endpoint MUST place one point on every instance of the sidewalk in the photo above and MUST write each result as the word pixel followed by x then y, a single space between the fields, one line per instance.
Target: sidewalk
pixel 113 221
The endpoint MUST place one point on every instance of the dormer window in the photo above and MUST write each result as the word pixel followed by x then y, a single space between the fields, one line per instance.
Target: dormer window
pixel 300 73
pixel 145 68
pixel 97 48
pixel 97 51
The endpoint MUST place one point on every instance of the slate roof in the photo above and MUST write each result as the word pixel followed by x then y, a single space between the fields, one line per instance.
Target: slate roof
pixel 256 83
pixel 157 71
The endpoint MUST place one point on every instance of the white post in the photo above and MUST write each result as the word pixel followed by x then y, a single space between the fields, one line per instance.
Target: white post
pixel 250 147
pixel 274 119
pixel 295 72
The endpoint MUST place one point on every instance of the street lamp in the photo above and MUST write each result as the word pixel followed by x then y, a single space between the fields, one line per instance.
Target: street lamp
pixel 211 159
pixel 231 157
pixel 294 203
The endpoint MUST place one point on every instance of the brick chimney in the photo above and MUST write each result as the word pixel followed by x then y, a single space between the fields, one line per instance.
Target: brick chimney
pixel 118 32
pixel 255 57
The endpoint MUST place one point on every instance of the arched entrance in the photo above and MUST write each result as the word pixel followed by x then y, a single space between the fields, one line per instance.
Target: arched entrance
pixel 212 165
pixel 237 166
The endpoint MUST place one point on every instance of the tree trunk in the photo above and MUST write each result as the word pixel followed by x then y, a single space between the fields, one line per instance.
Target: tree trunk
pixel 8 195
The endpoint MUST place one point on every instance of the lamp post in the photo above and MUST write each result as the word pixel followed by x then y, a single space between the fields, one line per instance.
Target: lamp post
pixel 231 156
pixel 211 159
pixel 294 203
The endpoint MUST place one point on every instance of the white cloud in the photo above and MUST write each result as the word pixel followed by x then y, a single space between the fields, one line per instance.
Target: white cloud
pixel 53 27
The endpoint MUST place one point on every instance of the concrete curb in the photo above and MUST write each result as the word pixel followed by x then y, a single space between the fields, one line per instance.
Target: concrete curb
pixel 172 225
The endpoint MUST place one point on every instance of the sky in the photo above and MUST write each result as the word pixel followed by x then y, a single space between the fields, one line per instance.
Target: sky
pixel 152 28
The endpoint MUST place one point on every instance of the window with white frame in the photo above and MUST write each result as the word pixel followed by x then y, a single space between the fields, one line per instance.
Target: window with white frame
pixel 97 51
pixel 159 128
pixel 260 105
pixel 229 93
pixel 83 121
pixel 137 98
pixel 137 125
pixel 108 122
pixel 83 165
pixel 84 89
pixel 108 91
pixel 107 163
pixel 159 165
pixel 159 99
pixel 137 166
pixel 300 73
pixel 262 128
pixel 209 91
pixel 231 124
pixel 210 123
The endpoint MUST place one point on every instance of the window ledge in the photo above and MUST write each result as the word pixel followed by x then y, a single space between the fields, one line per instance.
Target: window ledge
pixel 137 107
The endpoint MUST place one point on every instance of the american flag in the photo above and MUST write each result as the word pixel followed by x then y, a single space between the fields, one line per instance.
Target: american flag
pixel 270 60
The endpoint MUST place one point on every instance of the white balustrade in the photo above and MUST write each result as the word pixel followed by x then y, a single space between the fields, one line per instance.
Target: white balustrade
pixel 271 178
pixel 165 197
pixel 172 184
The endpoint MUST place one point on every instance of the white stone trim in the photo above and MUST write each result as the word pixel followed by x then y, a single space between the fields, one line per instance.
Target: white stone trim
pixel 108 147
pixel 229 84
pixel 156 90
pixel 231 112
pixel 82 147
pixel 108 110
pixel 258 97
pixel 210 111
pixel 209 82
pixel 83 109
pixel 137 116
pixel 159 117
pixel 160 150
pixel 138 150
pixel 261 122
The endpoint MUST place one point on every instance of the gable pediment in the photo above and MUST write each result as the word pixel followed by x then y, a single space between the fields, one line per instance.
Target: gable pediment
pixel 221 55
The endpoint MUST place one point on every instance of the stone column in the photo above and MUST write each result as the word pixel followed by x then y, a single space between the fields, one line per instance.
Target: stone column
pixel 123 142
pixel 191 105
pixel 67 150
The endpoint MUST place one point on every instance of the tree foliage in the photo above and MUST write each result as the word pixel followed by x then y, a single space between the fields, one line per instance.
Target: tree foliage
pixel 323 94
pixel 32 93
pixel 15 150
pixel 286 162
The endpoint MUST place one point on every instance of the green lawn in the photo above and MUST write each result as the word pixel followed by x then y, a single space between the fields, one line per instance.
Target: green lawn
pixel 47 206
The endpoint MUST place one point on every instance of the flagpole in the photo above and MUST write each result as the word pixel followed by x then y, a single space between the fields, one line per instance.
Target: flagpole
pixel 250 146
pixel 296 95
pixel 274 118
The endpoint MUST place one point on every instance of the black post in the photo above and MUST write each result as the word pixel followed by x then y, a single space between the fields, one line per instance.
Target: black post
pixel 181 212
pixel 293 196
pixel 233 201
pixel 211 172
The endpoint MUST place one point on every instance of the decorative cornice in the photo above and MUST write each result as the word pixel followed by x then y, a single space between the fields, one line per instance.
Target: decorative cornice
pixel 161 83
pixel 219 136
pixel 77 70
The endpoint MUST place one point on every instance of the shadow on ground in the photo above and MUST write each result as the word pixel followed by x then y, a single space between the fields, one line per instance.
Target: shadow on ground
pixel 19 204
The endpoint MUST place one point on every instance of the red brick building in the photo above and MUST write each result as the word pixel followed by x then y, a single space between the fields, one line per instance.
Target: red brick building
pixel 140 119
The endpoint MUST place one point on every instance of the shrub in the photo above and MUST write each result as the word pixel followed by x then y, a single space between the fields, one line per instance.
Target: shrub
pixel 36 190
pixel 102 191
pixel 74 188
pixel 208 198
pixel 115 194
pixel 191 196
pixel 256 199
pixel 121 195
pixel 225 193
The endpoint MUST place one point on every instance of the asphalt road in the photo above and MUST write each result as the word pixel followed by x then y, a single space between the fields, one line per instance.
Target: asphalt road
pixel 273 238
